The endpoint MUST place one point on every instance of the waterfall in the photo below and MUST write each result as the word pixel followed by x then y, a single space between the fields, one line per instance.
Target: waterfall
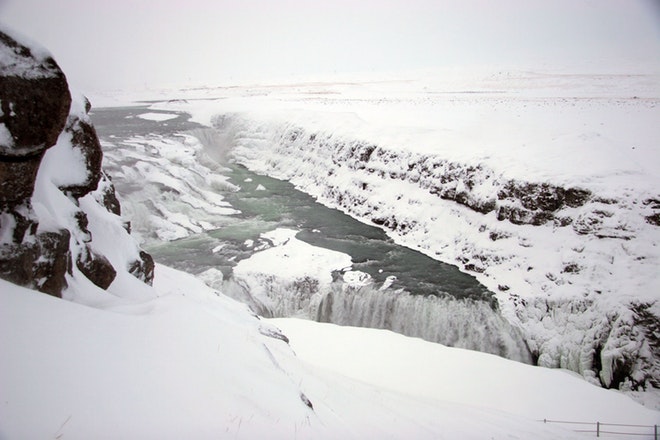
pixel 462 323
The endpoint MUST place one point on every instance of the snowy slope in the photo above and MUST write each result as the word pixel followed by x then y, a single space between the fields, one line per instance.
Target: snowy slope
pixel 192 364
pixel 542 184
pixel 413 366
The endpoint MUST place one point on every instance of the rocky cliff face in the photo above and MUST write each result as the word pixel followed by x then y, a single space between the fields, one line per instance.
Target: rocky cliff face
pixel 50 171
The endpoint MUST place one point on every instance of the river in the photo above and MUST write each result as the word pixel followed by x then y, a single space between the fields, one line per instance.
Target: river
pixel 423 297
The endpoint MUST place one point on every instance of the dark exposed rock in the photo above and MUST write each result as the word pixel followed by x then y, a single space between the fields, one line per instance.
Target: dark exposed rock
pixel 35 101
pixel 34 105
pixel 16 263
pixel 471 267
pixel 273 333
pixel 521 216
pixel 539 202
pixel 88 105
pixel 107 196
pixel 534 197
pixel 82 222
pixel 306 401
pixel 143 268
pixel 365 152
pixel 41 264
pixel 17 177
pixel 96 268
pixel 84 140
pixel 18 222
pixel 571 268
pixel 575 197
pixel 54 262
pixel 654 203
pixel 653 219
pixel 498 235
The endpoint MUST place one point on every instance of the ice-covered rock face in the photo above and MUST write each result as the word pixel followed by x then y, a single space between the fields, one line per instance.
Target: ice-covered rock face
pixel 51 181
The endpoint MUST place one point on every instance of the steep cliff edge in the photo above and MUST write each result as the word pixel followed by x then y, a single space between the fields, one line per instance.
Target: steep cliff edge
pixel 51 181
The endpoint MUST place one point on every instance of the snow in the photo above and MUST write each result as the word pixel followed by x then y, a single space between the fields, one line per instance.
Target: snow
pixel 13 63
pixel 181 360
pixel 6 138
pixel 159 117
pixel 189 363
pixel 529 125
pixel 291 258
pixel 357 278
pixel 68 164
pixel 416 367
pixel 169 368
pixel 290 265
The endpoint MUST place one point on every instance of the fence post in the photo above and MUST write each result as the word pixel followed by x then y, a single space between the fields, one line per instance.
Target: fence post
pixel 597 429
pixel 655 432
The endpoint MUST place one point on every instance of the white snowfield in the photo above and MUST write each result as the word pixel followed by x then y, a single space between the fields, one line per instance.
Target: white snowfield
pixel 190 363
pixel 455 163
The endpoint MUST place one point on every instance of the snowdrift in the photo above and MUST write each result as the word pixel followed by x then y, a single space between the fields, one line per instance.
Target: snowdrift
pixel 193 363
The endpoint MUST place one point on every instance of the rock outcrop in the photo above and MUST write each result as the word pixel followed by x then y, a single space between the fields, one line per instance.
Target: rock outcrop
pixel 41 239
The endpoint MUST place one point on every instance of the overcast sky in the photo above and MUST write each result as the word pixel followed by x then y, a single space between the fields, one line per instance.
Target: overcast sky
pixel 135 43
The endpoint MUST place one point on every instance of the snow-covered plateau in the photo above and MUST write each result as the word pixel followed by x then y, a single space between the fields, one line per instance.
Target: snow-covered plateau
pixel 544 185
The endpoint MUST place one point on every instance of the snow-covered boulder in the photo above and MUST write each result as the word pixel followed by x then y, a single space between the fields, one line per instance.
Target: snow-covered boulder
pixel 34 104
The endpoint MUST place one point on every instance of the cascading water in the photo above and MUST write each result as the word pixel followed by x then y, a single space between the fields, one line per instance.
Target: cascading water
pixel 463 323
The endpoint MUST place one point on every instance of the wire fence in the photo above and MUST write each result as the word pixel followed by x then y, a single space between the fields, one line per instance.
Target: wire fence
pixel 611 430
